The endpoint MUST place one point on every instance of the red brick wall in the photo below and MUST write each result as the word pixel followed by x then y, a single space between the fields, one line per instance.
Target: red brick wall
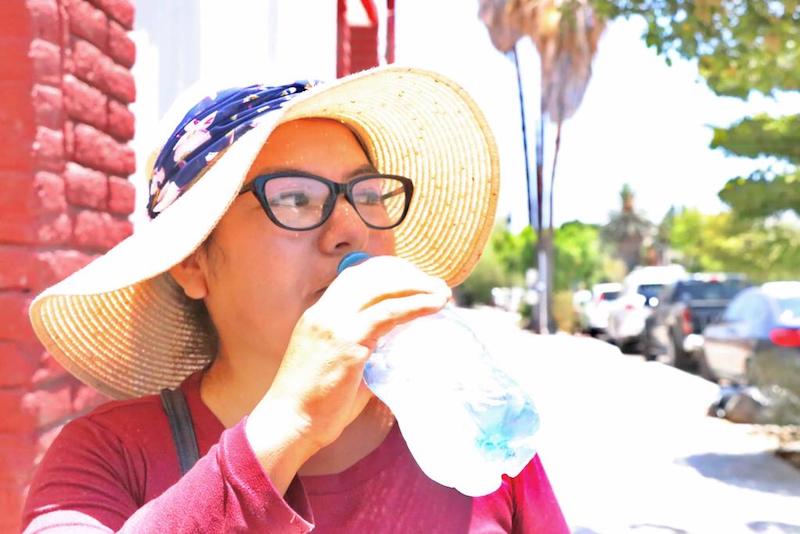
pixel 65 86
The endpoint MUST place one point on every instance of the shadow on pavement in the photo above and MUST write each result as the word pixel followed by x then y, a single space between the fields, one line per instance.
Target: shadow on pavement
pixel 754 471
pixel 771 526
pixel 643 528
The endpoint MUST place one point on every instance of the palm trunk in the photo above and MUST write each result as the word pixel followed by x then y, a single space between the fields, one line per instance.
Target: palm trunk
pixel 531 208
pixel 534 210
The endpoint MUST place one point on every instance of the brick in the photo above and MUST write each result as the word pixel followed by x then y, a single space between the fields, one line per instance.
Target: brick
pixel 58 264
pixel 121 196
pixel 117 81
pixel 48 149
pixel 100 231
pixel 120 47
pixel 85 187
pixel 50 193
pixel 89 64
pixel 36 230
pixel 84 103
pixel 87 22
pixel 17 418
pixel 49 405
pixel 14 324
pixel 48 105
pixel 69 140
pixel 120 10
pixel 99 151
pixel 44 20
pixel 55 230
pixel 121 122
pixel 84 60
pixel 46 60
pixel 16 367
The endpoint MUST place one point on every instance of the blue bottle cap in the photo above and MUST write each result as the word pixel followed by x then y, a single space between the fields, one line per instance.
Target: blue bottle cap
pixel 353 258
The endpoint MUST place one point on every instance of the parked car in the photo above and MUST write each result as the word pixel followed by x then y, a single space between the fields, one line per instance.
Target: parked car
pixel 674 329
pixel 640 289
pixel 757 338
pixel 593 314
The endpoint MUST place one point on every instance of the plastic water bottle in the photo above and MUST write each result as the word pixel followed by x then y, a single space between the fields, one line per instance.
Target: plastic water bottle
pixel 466 422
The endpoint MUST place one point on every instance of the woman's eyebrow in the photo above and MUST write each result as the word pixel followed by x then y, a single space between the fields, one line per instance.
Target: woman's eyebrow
pixel 366 168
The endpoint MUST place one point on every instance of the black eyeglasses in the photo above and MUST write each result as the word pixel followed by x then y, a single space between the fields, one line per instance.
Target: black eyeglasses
pixel 303 201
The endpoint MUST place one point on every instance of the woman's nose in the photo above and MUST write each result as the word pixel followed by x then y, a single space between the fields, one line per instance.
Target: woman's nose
pixel 344 230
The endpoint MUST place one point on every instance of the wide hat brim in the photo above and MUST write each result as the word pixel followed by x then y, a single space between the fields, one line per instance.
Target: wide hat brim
pixel 123 326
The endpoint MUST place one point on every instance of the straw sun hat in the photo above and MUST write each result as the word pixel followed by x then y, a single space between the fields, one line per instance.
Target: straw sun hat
pixel 123 326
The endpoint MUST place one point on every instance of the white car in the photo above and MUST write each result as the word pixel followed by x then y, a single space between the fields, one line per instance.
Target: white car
pixel 594 312
pixel 640 289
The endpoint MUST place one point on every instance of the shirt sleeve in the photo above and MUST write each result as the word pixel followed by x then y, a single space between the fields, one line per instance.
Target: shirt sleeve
pixel 536 508
pixel 84 485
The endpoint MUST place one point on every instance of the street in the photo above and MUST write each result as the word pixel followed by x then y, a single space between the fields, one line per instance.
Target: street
pixel 628 446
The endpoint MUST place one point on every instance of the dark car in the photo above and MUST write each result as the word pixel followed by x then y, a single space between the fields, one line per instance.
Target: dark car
pixel 683 309
pixel 756 341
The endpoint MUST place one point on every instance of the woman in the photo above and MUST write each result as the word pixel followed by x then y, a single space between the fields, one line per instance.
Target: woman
pixel 254 200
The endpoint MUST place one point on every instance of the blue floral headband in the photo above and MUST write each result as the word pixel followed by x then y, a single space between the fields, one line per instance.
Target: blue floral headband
pixel 206 131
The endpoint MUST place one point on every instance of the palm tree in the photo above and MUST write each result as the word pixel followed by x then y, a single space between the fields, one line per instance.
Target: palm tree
pixel 566 33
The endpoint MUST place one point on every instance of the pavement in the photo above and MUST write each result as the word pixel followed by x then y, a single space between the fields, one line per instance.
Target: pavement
pixel 628 446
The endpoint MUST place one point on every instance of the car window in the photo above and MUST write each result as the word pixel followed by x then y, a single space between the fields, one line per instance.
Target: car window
pixel 699 290
pixel 649 290
pixel 737 309
pixel 610 295
pixel 758 315
pixel 788 310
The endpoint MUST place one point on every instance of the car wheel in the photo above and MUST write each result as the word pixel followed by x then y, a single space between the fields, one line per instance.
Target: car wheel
pixel 682 359
pixel 704 369
pixel 679 357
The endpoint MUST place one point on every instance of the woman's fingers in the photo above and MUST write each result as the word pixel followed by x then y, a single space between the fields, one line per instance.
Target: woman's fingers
pixel 378 279
pixel 380 318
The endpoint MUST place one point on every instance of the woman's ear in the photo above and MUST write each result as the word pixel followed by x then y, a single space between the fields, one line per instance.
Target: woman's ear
pixel 191 274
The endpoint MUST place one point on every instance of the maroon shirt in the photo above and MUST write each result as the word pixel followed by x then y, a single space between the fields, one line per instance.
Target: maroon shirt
pixel 116 469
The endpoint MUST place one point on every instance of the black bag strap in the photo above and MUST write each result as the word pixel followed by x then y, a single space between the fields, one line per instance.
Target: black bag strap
pixel 180 421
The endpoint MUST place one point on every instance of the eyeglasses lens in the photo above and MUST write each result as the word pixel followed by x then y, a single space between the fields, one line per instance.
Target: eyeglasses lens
pixel 301 202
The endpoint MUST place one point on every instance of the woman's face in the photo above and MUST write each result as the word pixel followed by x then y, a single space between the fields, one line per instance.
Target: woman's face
pixel 259 277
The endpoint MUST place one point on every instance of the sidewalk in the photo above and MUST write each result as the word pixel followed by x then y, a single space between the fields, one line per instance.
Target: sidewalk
pixel 627 444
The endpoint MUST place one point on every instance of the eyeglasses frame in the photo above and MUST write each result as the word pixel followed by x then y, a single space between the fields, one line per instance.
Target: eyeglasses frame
pixel 256 186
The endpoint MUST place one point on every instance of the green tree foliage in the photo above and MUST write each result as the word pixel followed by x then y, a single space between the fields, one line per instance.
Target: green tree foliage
pixel 723 242
pixel 764 192
pixel 740 46
pixel 578 256
pixel 508 256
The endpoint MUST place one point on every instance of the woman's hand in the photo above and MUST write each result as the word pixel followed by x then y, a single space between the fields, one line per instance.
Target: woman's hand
pixel 319 388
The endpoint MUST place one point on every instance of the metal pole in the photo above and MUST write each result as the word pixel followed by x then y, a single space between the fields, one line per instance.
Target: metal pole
pixel 541 245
